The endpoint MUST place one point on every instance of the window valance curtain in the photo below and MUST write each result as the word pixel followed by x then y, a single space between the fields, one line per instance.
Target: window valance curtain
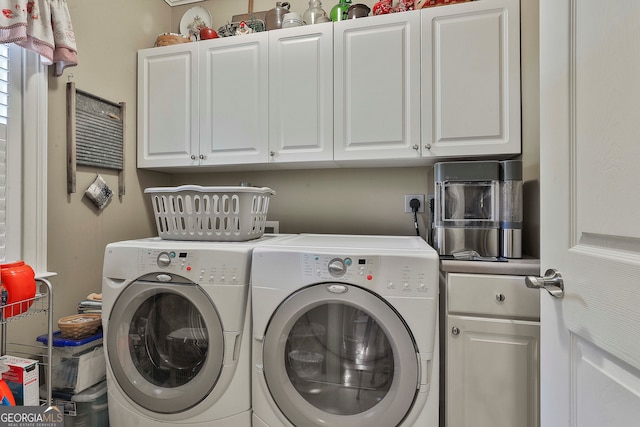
pixel 43 26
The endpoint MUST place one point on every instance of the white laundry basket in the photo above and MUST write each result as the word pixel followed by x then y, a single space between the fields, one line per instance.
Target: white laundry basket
pixel 221 214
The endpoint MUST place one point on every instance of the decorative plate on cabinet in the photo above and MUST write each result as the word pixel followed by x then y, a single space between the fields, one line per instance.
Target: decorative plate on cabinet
pixel 179 2
pixel 194 19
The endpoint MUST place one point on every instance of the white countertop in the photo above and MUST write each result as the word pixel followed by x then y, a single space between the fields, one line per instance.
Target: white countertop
pixel 515 267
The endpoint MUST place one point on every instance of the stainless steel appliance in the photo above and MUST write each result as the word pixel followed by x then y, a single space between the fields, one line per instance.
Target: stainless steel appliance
pixel 511 209
pixel 478 209
pixel 467 209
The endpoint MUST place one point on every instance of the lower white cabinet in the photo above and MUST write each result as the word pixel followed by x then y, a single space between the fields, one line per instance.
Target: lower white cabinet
pixel 492 338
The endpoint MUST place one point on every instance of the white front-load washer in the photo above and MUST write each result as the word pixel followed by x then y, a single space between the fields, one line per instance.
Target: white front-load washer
pixel 345 332
pixel 176 321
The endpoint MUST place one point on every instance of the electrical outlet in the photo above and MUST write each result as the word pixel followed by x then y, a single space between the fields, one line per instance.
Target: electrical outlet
pixel 407 201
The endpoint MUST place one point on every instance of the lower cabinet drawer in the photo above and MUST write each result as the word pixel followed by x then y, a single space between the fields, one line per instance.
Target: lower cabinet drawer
pixel 492 295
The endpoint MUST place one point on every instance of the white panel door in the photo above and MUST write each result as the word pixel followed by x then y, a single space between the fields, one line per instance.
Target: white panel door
pixel 471 79
pixel 301 94
pixel 234 120
pixel 589 113
pixel 377 87
pixel 168 106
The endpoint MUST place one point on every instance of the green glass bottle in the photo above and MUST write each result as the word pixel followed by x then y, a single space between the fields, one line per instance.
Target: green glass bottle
pixel 339 11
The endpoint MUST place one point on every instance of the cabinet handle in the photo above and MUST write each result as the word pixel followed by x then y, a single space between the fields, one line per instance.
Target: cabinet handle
pixel 272 153
pixel 455 330
pixel 193 157
pixel 416 147
pixel 427 146
pixel 500 297
pixel 201 156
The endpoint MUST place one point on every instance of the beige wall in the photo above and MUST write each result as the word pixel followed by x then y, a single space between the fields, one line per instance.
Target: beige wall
pixel 108 35
pixel 530 71
pixel 370 200
pixel 357 201
pixel 328 201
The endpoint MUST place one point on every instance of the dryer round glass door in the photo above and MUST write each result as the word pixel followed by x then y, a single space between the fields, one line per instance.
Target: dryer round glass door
pixel 165 345
pixel 335 354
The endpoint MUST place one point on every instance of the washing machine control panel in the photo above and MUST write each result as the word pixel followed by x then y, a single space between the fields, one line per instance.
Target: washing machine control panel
pixel 202 267
pixel 388 275
pixel 331 267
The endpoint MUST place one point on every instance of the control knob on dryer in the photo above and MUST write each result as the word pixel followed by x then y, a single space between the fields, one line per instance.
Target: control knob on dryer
pixel 337 267
pixel 164 259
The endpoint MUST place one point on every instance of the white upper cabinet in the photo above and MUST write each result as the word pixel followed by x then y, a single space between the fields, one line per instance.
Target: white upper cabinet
pixel 168 106
pixel 301 94
pixel 204 103
pixel 234 100
pixel 471 79
pixel 377 87
pixel 405 88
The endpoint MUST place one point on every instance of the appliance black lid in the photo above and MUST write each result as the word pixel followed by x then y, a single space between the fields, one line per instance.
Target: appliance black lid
pixel 511 170
pixel 488 170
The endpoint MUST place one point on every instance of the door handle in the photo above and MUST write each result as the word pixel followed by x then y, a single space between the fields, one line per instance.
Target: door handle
pixel 552 282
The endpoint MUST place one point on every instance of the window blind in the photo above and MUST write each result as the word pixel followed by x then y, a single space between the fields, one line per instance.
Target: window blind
pixel 4 83
pixel 4 103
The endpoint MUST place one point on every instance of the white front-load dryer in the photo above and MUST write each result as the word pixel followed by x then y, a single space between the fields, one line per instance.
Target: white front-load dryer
pixel 176 321
pixel 345 332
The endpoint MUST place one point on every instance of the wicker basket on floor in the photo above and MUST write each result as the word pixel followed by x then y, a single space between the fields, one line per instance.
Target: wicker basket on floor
pixel 79 326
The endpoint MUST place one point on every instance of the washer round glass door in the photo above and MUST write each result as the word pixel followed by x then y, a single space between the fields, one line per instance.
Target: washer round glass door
pixel 336 354
pixel 165 345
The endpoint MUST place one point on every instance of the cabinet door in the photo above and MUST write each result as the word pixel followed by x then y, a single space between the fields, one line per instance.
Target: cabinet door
pixel 168 106
pixel 301 93
pixel 471 79
pixel 234 100
pixel 491 372
pixel 377 87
